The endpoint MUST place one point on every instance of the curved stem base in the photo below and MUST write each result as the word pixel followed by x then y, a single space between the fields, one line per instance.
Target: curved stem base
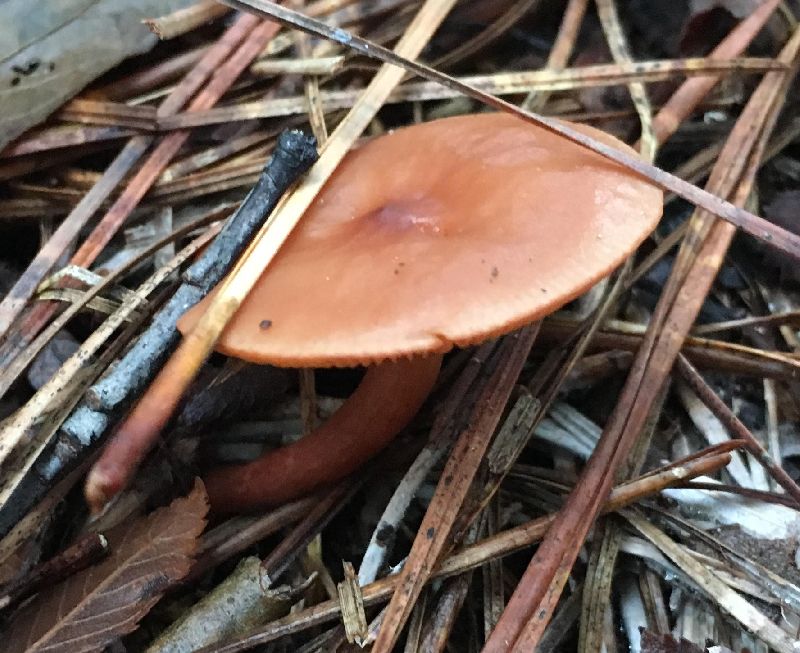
pixel 387 399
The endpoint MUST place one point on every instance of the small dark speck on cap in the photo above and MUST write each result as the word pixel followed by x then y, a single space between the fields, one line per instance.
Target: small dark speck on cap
pixel 430 533
pixel 543 289
pixel 495 271
pixel 265 324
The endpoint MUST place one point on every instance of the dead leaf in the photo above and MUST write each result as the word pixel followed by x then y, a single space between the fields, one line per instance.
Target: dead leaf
pixel 47 58
pixel 102 603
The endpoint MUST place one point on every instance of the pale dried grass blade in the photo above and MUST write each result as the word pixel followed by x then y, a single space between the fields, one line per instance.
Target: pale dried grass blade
pixel 186 19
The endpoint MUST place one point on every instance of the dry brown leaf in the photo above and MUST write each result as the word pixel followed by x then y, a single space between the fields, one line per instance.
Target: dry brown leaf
pixel 104 602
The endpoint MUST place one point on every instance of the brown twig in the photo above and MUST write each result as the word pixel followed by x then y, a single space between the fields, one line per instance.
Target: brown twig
pixel 788 318
pixel 185 20
pixel 703 352
pixel 736 427
pixel 510 83
pixel 748 493
pixel 116 114
pixel 47 139
pixel 561 50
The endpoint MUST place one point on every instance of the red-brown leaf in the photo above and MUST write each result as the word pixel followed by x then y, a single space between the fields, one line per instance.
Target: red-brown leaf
pixel 101 603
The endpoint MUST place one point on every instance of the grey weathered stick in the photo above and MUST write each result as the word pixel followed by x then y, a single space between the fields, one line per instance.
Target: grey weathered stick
pixel 294 154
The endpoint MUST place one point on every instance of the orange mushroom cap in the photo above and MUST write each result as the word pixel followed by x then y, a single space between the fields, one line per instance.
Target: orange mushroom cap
pixel 445 233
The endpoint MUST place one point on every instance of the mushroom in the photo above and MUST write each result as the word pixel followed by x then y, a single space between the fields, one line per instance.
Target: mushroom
pixel 438 235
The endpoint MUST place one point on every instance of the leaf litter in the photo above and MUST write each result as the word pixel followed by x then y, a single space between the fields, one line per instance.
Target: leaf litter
pixel 699 551
pixel 98 605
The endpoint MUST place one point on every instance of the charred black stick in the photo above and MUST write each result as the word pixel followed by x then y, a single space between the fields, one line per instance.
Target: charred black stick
pixel 293 155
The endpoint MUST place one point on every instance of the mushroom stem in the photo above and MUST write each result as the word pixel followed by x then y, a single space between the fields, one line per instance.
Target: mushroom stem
pixel 387 398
